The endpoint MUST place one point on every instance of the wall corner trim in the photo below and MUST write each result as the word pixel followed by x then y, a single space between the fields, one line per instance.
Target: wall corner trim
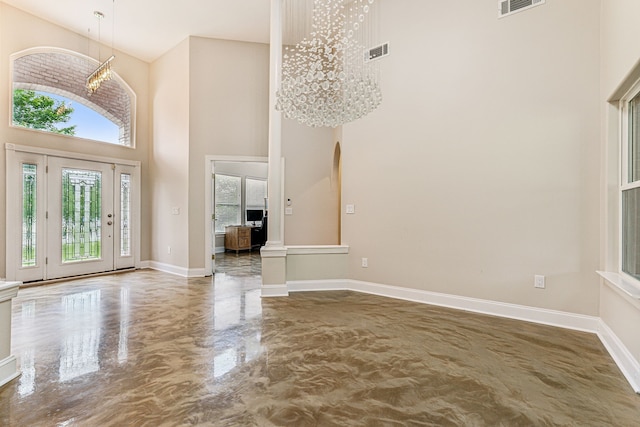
pixel 8 290
pixel 269 291
pixel 174 269
pixel 8 370
pixel 317 249
pixel 627 364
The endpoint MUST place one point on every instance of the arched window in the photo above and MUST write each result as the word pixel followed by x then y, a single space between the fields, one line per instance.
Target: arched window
pixel 49 85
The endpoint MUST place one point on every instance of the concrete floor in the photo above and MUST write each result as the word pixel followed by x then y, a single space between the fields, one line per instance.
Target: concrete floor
pixel 151 349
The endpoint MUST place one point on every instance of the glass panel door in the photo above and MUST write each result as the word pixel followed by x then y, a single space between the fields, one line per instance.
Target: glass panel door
pixel 81 223
pixel 124 218
pixel 68 217
pixel 29 241
pixel 81 215
pixel 26 237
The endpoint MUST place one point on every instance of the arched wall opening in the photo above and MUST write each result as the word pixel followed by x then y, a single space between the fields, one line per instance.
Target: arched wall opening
pixel 336 182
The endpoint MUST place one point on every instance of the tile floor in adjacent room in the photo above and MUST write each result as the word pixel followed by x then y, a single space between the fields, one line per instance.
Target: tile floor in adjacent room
pixel 151 349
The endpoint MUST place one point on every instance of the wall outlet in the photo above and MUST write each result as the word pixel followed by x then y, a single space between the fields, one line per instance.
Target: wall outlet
pixel 350 209
pixel 365 262
pixel 538 281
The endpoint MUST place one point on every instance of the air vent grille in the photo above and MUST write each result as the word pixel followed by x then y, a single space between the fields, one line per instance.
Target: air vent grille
pixel 376 52
pixel 508 7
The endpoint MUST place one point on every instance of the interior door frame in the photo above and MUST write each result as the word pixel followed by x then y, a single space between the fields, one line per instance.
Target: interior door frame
pixel 209 163
pixel 11 158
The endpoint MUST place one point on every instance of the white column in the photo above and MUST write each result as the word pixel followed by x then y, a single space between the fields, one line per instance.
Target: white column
pixel 274 253
pixel 8 366
pixel 275 234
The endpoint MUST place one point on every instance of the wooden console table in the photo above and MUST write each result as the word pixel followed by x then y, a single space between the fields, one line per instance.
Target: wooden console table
pixel 237 238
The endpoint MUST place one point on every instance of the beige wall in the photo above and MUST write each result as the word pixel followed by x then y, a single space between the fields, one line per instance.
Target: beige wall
pixel 317 266
pixel 310 184
pixel 480 168
pixel 169 79
pixel 19 31
pixel 620 47
pixel 228 104
pixel 620 51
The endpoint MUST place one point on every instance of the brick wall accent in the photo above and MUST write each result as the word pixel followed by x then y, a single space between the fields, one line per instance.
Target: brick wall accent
pixel 65 75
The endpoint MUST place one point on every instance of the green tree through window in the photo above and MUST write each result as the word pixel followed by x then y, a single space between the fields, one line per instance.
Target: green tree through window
pixel 37 111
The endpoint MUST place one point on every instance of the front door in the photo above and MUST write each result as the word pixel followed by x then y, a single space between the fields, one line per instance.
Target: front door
pixel 80 217
pixel 68 217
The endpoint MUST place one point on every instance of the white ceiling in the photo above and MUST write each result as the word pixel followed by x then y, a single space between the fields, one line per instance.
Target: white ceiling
pixel 146 29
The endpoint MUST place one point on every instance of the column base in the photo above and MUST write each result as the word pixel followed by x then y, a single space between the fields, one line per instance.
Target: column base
pixel 274 271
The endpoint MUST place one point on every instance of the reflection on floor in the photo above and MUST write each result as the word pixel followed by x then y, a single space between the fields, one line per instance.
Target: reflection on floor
pixel 240 264
pixel 151 349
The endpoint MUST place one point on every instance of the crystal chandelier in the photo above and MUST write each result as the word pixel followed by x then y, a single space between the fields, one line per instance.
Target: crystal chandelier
pixel 103 72
pixel 99 76
pixel 326 77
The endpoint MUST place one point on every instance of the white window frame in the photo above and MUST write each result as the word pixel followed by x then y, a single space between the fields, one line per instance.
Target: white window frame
pixel 624 177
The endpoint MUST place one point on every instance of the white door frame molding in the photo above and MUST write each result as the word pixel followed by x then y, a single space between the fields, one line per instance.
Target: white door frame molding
pixel 209 161
pixel 12 157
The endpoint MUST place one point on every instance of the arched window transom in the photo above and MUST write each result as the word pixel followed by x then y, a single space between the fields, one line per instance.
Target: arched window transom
pixel 61 75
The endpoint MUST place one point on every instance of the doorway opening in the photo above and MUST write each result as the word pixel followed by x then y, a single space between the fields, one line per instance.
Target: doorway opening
pixel 336 184
pixel 236 213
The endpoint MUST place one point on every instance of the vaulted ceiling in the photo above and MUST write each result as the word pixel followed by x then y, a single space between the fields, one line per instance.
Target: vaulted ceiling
pixel 147 29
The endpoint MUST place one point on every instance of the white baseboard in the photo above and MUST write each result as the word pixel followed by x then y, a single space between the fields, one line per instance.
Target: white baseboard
pixel 8 370
pixel 623 358
pixel 627 364
pixel 174 269
pixel 512 311
pixel 274 291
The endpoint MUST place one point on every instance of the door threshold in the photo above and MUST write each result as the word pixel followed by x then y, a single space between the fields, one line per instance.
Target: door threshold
pixel 70 278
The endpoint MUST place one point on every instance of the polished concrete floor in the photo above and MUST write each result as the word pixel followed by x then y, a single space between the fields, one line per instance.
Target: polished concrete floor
pixel 239 264
pixel 151 349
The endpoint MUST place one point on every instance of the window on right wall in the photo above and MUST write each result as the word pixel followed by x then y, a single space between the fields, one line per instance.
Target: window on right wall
pixel 630 183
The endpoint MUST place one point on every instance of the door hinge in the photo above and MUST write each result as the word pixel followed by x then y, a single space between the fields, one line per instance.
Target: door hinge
pixel 46 260
pixel 46 169
pixel 46 215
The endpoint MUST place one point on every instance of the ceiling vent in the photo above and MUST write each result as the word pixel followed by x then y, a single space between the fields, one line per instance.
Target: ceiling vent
pixel 509 7
pixel 376 52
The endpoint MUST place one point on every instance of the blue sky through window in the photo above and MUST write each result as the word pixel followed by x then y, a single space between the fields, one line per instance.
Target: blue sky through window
pixel 89 123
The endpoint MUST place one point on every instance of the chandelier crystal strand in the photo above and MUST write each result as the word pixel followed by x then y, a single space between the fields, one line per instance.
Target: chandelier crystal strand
pixel 325 78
